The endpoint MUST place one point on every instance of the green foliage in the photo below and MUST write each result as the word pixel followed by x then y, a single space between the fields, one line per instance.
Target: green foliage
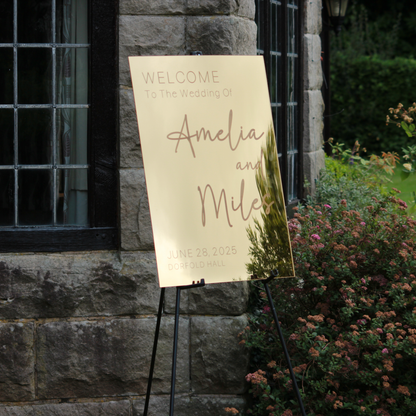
pixel 340 181
pixel 363 36
pixel 363 88
pixel 386 15
pixel 349 318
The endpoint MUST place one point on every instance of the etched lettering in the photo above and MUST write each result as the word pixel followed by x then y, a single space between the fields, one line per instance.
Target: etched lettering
pixel 203 133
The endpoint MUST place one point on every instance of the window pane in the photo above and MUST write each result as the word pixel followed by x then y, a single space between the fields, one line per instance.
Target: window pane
pixel 290 79
pixel 6 137
pixel 35 197
pixel 72 21
pixel 73 197
pixel 275 121
pixel 72 76
pixel 257 17
pixel 6 197
pixel 6 21
pixel 34 77
pixel 274 62
pixel 6 76
pixel 291 177
pixel 291 143
pixel 280 122
pixel 274 29
pixel 291 30
pixel 72 131
pixel 35 136
pixel 34 21
pixel 293 180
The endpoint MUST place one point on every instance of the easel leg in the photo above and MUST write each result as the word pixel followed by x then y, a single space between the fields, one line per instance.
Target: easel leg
pixel 282 341
pixel 175 350
pixel 152 363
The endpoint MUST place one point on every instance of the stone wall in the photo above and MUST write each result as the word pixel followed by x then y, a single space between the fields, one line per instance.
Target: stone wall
pixel 76 329
pixel 313 104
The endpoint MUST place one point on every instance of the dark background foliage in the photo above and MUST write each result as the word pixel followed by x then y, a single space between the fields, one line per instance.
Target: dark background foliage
pixel 363 89
pixel 372 69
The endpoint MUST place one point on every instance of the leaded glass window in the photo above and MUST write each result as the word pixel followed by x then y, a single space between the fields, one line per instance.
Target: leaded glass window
pixel 58 125
pixel 44 105
pixel 278 40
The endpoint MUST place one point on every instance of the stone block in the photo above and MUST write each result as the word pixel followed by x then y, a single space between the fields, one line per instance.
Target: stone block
pixel 312 58
pixel 170 301
pixel 108 358
pixel 313 16
pixel 130 150
pixel 216 299
pixel 136 230
pixel 119 408
pixel 219 299
pixel 221 35
pixel 187 405
pixel 148 35
pixel 313 163
pixel 17 365
pixel 218 363
pixel 152 7
pixel 243 8
pixel 246 8
pixel 80 284
pixel 313 111
pixel 5 283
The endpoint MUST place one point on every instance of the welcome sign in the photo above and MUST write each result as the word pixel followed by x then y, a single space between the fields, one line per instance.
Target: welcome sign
pixel 204 122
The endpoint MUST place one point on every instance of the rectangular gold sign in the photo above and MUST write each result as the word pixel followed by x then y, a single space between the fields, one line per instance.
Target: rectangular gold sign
pixel 204 122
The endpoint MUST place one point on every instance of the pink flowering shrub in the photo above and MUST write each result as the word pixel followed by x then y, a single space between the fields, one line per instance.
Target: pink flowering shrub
pixel 349 318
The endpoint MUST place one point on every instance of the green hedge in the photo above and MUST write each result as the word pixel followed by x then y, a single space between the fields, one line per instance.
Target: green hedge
pixel 365 88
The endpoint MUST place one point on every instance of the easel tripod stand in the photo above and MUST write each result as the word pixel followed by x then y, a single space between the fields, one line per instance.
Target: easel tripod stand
pixel 273 275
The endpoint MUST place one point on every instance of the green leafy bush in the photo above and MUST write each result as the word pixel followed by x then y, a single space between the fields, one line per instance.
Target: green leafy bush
pixel 349 176
pixel 349 318
pixel 363 88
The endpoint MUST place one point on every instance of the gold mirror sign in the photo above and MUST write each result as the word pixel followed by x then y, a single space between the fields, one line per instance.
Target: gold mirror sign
pixel 205 130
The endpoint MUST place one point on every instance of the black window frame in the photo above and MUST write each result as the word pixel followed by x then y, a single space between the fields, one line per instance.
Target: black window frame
pixel 102 232
pixel 264 33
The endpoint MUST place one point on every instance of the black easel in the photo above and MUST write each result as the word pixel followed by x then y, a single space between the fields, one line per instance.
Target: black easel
pixel 175 345
pixel 274 274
